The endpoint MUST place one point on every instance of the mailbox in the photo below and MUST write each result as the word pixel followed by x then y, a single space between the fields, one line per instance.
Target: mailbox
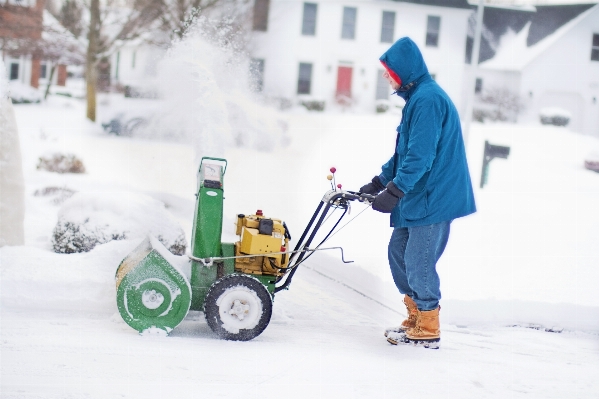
pixel 491 151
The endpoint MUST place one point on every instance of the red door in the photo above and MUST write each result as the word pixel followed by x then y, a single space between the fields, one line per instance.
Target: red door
pixel 344 81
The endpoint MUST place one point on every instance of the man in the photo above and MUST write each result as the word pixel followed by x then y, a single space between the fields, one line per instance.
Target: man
pixel 424 186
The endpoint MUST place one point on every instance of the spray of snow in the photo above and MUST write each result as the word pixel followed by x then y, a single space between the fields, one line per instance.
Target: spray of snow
pixel 206 87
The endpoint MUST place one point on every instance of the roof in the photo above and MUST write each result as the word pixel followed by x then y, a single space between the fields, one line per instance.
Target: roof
pixel 514 52
pixel 439 3
pixel 498 21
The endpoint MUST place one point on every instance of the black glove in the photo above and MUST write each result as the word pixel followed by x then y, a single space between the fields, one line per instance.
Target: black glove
pixel 372 188
pixel 386 201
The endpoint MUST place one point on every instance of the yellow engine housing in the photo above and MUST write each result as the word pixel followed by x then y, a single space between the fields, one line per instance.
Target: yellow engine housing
pixel 253 243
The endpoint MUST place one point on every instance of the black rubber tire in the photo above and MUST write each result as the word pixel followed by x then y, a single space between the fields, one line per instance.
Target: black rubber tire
pixel 246 284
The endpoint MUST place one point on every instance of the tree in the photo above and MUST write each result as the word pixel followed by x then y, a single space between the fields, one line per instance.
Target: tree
pixel 71 17
pixel 113 23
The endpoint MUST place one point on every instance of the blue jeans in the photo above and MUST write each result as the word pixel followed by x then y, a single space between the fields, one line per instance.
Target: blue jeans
pixel 413 255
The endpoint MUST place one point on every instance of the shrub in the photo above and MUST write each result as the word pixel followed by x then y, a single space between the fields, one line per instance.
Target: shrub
pixel 500 104
pixel 313 105
pixel 88 219
pixel 555 116
pixel 61 163
pixel 60 194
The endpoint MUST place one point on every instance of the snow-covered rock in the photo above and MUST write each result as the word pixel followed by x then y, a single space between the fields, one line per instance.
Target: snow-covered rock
pixel 88 219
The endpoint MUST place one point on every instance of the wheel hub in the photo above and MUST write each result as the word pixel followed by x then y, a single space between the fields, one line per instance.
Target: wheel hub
pixel 239 309
pixel 152 299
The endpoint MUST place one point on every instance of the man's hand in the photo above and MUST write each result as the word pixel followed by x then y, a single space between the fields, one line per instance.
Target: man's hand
pixel 372 188
pixel 388 199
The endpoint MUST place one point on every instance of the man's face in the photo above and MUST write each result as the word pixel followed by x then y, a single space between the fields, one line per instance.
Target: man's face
pixel 392 82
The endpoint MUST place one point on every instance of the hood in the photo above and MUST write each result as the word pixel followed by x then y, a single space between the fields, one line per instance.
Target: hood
pixel 404 60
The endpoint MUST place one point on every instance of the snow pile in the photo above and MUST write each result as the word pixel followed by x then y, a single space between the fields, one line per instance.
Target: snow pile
pixel 88 219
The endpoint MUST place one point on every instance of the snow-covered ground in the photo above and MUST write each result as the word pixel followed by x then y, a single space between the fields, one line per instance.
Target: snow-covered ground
pixel 528 258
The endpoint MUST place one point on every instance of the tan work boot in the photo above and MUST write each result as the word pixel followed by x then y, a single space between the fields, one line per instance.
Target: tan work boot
pixel 408 323
pixel 427 331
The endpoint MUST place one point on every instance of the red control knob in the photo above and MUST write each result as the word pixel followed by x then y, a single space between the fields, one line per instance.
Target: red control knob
pixel 333 169
pixel 339 186
pixel 259 212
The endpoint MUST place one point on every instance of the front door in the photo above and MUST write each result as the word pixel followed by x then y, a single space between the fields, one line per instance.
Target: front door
pixel 344 75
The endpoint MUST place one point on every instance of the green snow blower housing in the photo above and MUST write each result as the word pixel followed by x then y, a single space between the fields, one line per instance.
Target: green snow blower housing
pixel 232 283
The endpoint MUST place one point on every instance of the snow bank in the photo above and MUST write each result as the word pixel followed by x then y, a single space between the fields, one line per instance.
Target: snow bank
pixel 88 219
pixel 12 185
pixel 39 279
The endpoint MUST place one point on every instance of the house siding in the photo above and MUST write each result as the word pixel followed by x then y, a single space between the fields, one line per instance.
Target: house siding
pixel 283 47
pixel 564 76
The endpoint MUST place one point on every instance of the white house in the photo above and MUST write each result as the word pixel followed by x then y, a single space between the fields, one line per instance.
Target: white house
pixel 562 71
pixel 327 50
pixel 134 66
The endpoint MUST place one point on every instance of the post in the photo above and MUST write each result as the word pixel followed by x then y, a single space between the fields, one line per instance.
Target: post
pixel 90 61
pixel 473 69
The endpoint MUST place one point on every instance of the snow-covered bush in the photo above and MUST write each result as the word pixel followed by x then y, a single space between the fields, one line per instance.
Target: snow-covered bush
pixel 313 105
pixel 88 219
pixel 498 104
pixel 591 161
pixel 555 116
pixel 61 163
pixel 59 194
pixel 382 106
pixel 23 94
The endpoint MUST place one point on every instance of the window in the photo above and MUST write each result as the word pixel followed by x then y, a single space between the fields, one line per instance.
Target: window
pixel 478 86
pixel 388 27
pixel 304 81
pixel 382 86
pixel 309 19
pixel 432 31
pixel 595 48
pixel 257 73
pixel 22 3
pixel 261 15
pixel 43 71
pixel 348 30
pixel 14 71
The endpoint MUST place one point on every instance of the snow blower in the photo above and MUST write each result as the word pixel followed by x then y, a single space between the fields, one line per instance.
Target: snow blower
pixel 232 283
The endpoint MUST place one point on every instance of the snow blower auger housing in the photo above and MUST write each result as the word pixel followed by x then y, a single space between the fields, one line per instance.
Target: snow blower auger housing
pixel 232 283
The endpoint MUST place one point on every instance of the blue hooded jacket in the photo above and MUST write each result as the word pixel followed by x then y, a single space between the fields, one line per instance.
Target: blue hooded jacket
pixel 429 164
